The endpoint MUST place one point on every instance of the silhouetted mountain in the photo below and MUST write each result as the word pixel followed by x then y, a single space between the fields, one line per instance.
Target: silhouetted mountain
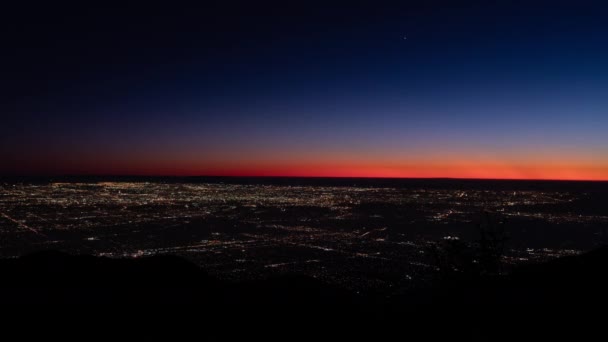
pixel 553 299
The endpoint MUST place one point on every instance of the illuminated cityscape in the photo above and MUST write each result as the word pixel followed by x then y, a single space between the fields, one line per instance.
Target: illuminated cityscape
pixel 358 237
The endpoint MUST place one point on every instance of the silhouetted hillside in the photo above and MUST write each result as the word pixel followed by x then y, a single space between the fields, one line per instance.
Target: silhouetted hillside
pixel 554 299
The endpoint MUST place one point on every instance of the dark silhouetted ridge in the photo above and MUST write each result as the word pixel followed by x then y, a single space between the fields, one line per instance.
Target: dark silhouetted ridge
pixel 530 302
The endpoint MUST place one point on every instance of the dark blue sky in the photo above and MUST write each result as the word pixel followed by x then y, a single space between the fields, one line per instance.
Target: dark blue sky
pixel 513 89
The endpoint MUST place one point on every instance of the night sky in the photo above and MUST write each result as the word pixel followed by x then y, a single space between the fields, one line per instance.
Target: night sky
pixel 479 89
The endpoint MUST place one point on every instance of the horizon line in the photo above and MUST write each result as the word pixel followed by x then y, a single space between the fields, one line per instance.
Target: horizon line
pixel 306 177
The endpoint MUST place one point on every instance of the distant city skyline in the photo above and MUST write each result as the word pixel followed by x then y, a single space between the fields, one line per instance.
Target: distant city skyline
pixel 508 89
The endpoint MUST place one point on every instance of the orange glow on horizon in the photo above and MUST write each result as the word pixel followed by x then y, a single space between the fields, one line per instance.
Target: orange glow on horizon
pixel 449 166
pixel 474 172
pixel 471 170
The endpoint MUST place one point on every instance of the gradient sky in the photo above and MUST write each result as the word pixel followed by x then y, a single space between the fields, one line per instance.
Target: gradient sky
pixel 511 89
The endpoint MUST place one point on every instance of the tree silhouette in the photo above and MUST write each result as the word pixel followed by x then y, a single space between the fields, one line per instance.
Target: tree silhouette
pixel 483 257
pixel 491 244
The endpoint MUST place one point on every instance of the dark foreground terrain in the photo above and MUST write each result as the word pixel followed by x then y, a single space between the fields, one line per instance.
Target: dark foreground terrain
pixel 564 297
